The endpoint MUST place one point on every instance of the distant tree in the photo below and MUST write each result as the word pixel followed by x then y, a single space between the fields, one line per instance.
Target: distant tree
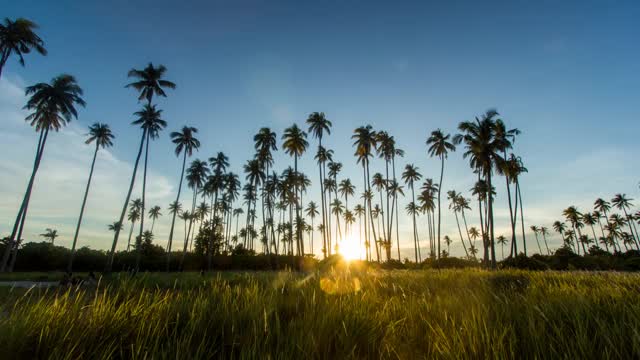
pixel 50 234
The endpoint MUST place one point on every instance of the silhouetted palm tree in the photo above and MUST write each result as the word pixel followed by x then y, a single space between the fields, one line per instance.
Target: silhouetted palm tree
pixel 312 212
pixel 439 145
pixel 573 216
pixel 535 230
pixel 114 226
pixel 623 203
pixel 318 126
pixel 502 241
pixel 483 149
pixel 410 176
pixel 18 37
pixel 149 82
pixel 133 216
pixel 365 141
pixel 52 106
pixel 185 142
pixel 154 214
pixel 544 231
pixel 295 144
pixel 50 234
pixel 102 136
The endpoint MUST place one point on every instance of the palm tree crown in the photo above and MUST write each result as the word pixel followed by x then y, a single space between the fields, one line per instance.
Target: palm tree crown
pixel 18 37
pixel 53 104
pixel 149 82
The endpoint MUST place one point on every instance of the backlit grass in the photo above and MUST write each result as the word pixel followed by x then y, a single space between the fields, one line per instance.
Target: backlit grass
pixel 338 314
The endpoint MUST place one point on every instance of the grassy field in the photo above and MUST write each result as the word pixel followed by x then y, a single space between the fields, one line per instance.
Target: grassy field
pixel 332 315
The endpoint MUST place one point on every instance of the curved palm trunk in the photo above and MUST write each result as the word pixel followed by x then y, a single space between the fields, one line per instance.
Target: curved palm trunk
pixel 142 212
pixel 631 229
pixel 524 237
pixel 415 234
pixel 595 239
pixel 546 245
pixel 604 237
pixel 388 215
pixel 460 232
pixel 109 264
pixel 186 241
pixel 130 234
pixel 13 241
pixel 84 202
pixel 538 242
pixel 492 233
pixel 173 218
pixel 439 211
pixel 373 227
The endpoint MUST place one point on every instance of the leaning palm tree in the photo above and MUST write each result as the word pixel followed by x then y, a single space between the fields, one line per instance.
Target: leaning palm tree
pixel 623 203
pixel 536 230
pixel 410 176
pixel 102 136
pixel 545 231
pixel 18 37
pixel 133 217
pixel 154 214
pixel 573 216
pixel 149 83
pixel 185 142
pixel 53 106
pixel 318 126
pixel 589 219
pixel 114 226
pixel 150 121
pixel 560 228
pixel 295 144
pixel 50 234
pixel 439 145
pixel 502 241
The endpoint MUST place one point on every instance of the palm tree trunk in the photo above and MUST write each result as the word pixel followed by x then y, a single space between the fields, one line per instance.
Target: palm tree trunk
pixel 491 239
pixel 631 229
pixel 595 239
pixel 173 218
pixel 109 264
pixel 142 212
pixel 13 242
pixel 538 242
pixel 439 211
pixel 84 202
pixel 373 228
pixel 460 232
pixel 415 238
pixel 130 234
pixel 604 237
pixel 524 237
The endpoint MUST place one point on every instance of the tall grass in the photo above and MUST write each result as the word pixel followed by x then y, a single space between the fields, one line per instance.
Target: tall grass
pixel 332 315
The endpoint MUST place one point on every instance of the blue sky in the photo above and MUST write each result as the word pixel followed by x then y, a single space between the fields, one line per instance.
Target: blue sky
pixel 566 74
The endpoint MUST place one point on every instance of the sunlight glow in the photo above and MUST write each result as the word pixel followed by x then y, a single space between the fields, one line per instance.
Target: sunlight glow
pixel 350 248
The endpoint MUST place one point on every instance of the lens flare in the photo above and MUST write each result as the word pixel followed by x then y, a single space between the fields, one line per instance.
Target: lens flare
pixel 350 248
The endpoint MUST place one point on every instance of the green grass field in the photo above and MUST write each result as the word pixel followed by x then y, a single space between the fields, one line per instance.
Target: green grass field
pixel 332 315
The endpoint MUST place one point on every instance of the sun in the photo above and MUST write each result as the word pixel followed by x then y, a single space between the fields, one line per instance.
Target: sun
pixel 350 248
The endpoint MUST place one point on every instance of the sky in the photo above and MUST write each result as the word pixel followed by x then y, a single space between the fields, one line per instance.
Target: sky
pixel 565 73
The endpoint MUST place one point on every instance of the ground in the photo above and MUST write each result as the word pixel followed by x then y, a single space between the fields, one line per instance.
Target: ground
pixel 335 313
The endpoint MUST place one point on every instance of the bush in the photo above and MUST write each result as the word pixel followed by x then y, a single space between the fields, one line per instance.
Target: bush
pixel 524 263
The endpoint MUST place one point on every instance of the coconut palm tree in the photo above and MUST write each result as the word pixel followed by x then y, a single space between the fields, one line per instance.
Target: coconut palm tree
pixel 102 136
pixel 358 211
pixel 536 230
pixel 319 125
pixel 380 183
pixel 560 228
pixel 483 148
pixel 149 82
pixel 365 142
pixel 447 241
pixel 312 212
pixel 52 106
pixel 185 142
pixel 133 217
pixel 18 37
pixel 50 234
pixel 623 203
pixel 151 123
pixel 265 141
pixel 395 191
pixel 154 214
pixel 410 176
pixel 440 146
pixel 502 241
pixel 545 231
pixel 454 205
pixel 573 216
pixel 337 209
pixel 295 144
pixel 114 226
pixel 589 219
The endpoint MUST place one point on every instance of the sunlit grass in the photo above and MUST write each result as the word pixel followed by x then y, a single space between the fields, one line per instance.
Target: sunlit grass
pixel 338 314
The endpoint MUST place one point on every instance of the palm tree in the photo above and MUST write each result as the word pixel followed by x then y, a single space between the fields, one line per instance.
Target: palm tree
pixel 185 142
pixel 133 216
pixel 151 123
pixel 545 231
pixel 560 228
pixel 623 203
pixel 483 149
pixel 365 141
pixel 535 230
pixel 18 37
pixel 439 145
pixel 502 241
pixel 379 183
pixel 154 214
pixel 149 81
pixel 573 216
pixel 589 219
pixel 50 234
pixel 453 196
pixel 114 226
pixel 447 241
pixel 312 212
pixel 265 142
pixel 102 136
pixel 295 144
pixel 358 211
pixel 53 106
pixel 318 126
pixel 410 176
